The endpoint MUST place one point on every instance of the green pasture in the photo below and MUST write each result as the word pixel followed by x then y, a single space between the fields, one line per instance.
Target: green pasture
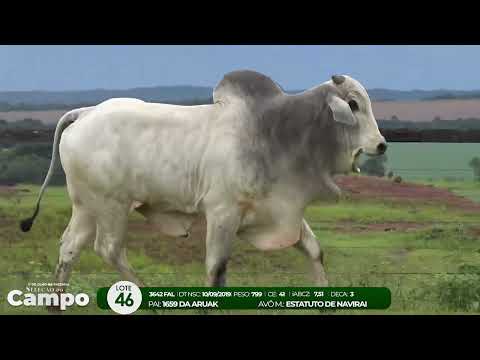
pixel 435 161
pixel 431 269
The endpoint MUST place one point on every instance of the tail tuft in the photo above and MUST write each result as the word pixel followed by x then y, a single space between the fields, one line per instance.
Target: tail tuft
pixel 26 224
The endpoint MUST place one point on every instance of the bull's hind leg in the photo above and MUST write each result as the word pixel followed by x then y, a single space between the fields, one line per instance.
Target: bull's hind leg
pixel 79 232
pixel 111 234
pixel 308 244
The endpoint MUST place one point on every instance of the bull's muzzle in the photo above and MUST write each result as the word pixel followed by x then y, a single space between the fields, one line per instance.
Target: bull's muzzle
pixel 382 148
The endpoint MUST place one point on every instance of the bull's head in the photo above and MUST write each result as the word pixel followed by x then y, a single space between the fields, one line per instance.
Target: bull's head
pixel 351 106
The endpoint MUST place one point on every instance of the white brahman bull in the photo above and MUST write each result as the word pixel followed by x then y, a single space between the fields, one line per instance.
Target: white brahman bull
pixel 250 163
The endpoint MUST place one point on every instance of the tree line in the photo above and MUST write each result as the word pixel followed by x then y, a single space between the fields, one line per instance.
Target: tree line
pixel 394 123
pixel 436 123
pixel 28 163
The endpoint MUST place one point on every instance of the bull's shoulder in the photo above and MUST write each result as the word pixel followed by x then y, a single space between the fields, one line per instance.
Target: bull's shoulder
pixel 246 84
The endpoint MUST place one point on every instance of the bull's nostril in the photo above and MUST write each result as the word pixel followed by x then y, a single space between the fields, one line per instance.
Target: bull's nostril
pixel 381 148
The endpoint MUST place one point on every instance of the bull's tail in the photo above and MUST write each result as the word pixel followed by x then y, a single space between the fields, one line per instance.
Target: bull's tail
pixel 62 124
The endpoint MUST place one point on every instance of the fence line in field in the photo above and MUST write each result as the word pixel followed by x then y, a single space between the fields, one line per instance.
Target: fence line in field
pixel 336 221
pixel 248 273
pixel 403 169
pixel 323 246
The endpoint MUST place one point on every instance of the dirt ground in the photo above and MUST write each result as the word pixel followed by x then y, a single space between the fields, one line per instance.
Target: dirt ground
pixel 6 191
pixel 373 188
pixel 353 227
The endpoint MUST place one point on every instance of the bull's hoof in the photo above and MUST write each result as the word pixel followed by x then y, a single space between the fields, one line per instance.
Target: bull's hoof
pixel 321 281
pixel 322 257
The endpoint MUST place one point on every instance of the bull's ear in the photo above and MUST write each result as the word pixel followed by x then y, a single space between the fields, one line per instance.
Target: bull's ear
pixel 341 111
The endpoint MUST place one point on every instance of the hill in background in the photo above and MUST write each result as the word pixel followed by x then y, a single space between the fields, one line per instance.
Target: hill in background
pixel 415 105
pixel 42 99
pixel 58 98
pixel 421 95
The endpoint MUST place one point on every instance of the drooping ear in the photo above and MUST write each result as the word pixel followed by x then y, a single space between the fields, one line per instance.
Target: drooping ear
pixel 341 111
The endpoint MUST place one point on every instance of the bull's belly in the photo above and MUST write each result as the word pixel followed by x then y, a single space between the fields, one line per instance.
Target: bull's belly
pixel 263 237
pixel 270 225
pixel 271 237
pixel 170 223
pixel 262 226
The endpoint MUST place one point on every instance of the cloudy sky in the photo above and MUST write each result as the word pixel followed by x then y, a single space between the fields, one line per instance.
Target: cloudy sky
pixel 294 67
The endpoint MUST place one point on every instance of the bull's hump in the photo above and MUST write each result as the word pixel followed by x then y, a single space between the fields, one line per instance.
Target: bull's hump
pixel 245 84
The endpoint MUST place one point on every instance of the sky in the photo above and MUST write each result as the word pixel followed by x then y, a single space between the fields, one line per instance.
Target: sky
pixel 74 67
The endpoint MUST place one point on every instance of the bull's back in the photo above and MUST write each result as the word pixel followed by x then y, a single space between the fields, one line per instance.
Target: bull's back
pixel 149 151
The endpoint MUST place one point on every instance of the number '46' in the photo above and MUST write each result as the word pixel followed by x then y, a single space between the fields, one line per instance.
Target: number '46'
pixel 124 302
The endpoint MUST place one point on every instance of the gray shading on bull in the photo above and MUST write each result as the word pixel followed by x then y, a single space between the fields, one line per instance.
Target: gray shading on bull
pixel 249 164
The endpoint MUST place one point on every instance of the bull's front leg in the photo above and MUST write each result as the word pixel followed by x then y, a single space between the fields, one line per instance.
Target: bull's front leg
pixel 222 226
pixel 330 191
pixel 310 246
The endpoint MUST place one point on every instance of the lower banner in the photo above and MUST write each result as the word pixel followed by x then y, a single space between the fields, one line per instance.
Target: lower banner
pixel 124 297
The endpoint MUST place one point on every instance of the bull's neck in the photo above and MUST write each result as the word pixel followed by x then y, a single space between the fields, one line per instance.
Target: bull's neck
pixel 312 142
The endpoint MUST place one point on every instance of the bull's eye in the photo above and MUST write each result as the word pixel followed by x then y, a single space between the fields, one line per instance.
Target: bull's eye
pixel 353 105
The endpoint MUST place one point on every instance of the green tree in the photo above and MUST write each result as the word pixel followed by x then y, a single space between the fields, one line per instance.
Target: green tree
pixel 475 165
pixel 28 164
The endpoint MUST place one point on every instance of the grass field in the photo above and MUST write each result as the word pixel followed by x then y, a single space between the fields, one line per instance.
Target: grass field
pixel 436 161
pixel 468 189
pixel 428 256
